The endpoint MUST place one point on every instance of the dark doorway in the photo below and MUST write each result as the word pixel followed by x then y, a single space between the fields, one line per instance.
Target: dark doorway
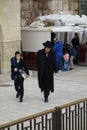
pixel 82 7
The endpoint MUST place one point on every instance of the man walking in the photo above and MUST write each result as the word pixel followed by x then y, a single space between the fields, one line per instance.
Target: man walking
pixel 58 48
pixel 46 65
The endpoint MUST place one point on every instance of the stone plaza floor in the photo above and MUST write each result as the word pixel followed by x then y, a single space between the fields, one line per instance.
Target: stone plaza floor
pixel 69 86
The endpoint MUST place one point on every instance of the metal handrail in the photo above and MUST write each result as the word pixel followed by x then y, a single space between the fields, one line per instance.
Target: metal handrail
pixel 72 103
pixel 9 124
pixel 27 118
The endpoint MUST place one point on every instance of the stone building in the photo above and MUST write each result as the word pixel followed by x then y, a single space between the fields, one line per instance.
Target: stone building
pixel 30 9
pixel 14 12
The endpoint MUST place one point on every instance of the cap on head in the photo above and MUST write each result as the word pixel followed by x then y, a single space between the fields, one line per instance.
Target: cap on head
pixel 47 44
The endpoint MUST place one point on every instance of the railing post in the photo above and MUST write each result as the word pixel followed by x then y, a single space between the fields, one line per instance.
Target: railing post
pixel 58 113
pixel 56 119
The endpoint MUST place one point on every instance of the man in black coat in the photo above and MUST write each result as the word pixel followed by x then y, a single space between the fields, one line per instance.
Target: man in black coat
pixel 46 64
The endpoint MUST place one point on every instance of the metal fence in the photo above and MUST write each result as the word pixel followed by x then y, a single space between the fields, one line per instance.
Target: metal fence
pixel 72 116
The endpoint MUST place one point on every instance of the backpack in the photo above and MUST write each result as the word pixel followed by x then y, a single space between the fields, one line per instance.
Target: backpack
pixel 72 51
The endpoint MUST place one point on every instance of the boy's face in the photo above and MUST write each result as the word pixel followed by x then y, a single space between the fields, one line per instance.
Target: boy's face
pixel 18 56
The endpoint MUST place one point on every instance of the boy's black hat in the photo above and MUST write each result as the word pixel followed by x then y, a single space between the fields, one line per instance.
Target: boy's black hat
pixel 47 44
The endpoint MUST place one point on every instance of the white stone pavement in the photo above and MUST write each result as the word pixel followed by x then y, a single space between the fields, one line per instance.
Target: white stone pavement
pixel 69 86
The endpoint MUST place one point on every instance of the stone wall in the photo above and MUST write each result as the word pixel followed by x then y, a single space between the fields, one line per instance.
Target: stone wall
pixel 9 32
pixel 30 9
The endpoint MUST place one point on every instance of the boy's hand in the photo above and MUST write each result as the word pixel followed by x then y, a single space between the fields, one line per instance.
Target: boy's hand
pixel 15 69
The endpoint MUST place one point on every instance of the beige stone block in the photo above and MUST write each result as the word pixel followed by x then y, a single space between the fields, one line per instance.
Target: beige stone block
pixel 31 5
pixel 25 5
pixel 72 5
pixel 53 5
pixel 42 4
pixel 28 14
pixel 35 5
pixel 76 7
pixel 60 5
pixel 9 49
pixel 65 4
pixel 10 19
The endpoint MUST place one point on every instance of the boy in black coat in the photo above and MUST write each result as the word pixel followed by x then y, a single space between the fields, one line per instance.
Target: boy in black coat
pixel 17 64
pixel 46 64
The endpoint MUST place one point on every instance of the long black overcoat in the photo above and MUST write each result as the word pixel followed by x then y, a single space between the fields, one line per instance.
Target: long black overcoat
pixel 46 68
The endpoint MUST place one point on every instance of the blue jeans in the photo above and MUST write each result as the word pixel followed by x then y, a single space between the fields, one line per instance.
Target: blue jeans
pixel 66 64
pixel 59 63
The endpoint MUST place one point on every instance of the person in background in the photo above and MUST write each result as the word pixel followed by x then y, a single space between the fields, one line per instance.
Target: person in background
pixel 75 44
pixel 53 35
pixel 73 53
pixel 66 60
pixel 58 49
pixel 75 40
pixel 46 65
pixel 17 64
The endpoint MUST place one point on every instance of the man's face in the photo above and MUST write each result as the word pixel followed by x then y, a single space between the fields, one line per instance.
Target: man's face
pixel 47 50
pixel 18 56
pixel 77 36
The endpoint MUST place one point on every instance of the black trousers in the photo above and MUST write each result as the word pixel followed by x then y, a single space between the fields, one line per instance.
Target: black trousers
pixel 19 87
pixel 46 93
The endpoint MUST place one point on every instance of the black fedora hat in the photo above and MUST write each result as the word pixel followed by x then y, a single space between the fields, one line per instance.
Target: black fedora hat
pixel 47 44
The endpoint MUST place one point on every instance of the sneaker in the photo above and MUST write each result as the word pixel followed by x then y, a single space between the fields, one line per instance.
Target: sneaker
pixel 21 100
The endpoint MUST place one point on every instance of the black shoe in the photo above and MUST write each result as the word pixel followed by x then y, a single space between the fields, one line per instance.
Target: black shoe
pixel 46 99
pixel 21 100
pixel 71 69
pixel 17 95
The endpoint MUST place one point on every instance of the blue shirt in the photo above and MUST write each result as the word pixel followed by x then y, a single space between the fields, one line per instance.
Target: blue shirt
pixel 58 48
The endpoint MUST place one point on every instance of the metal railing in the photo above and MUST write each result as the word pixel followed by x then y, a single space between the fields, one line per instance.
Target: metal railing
pixel 72 116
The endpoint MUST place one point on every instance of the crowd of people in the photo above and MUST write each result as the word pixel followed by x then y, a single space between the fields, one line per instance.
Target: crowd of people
pixel 53 58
